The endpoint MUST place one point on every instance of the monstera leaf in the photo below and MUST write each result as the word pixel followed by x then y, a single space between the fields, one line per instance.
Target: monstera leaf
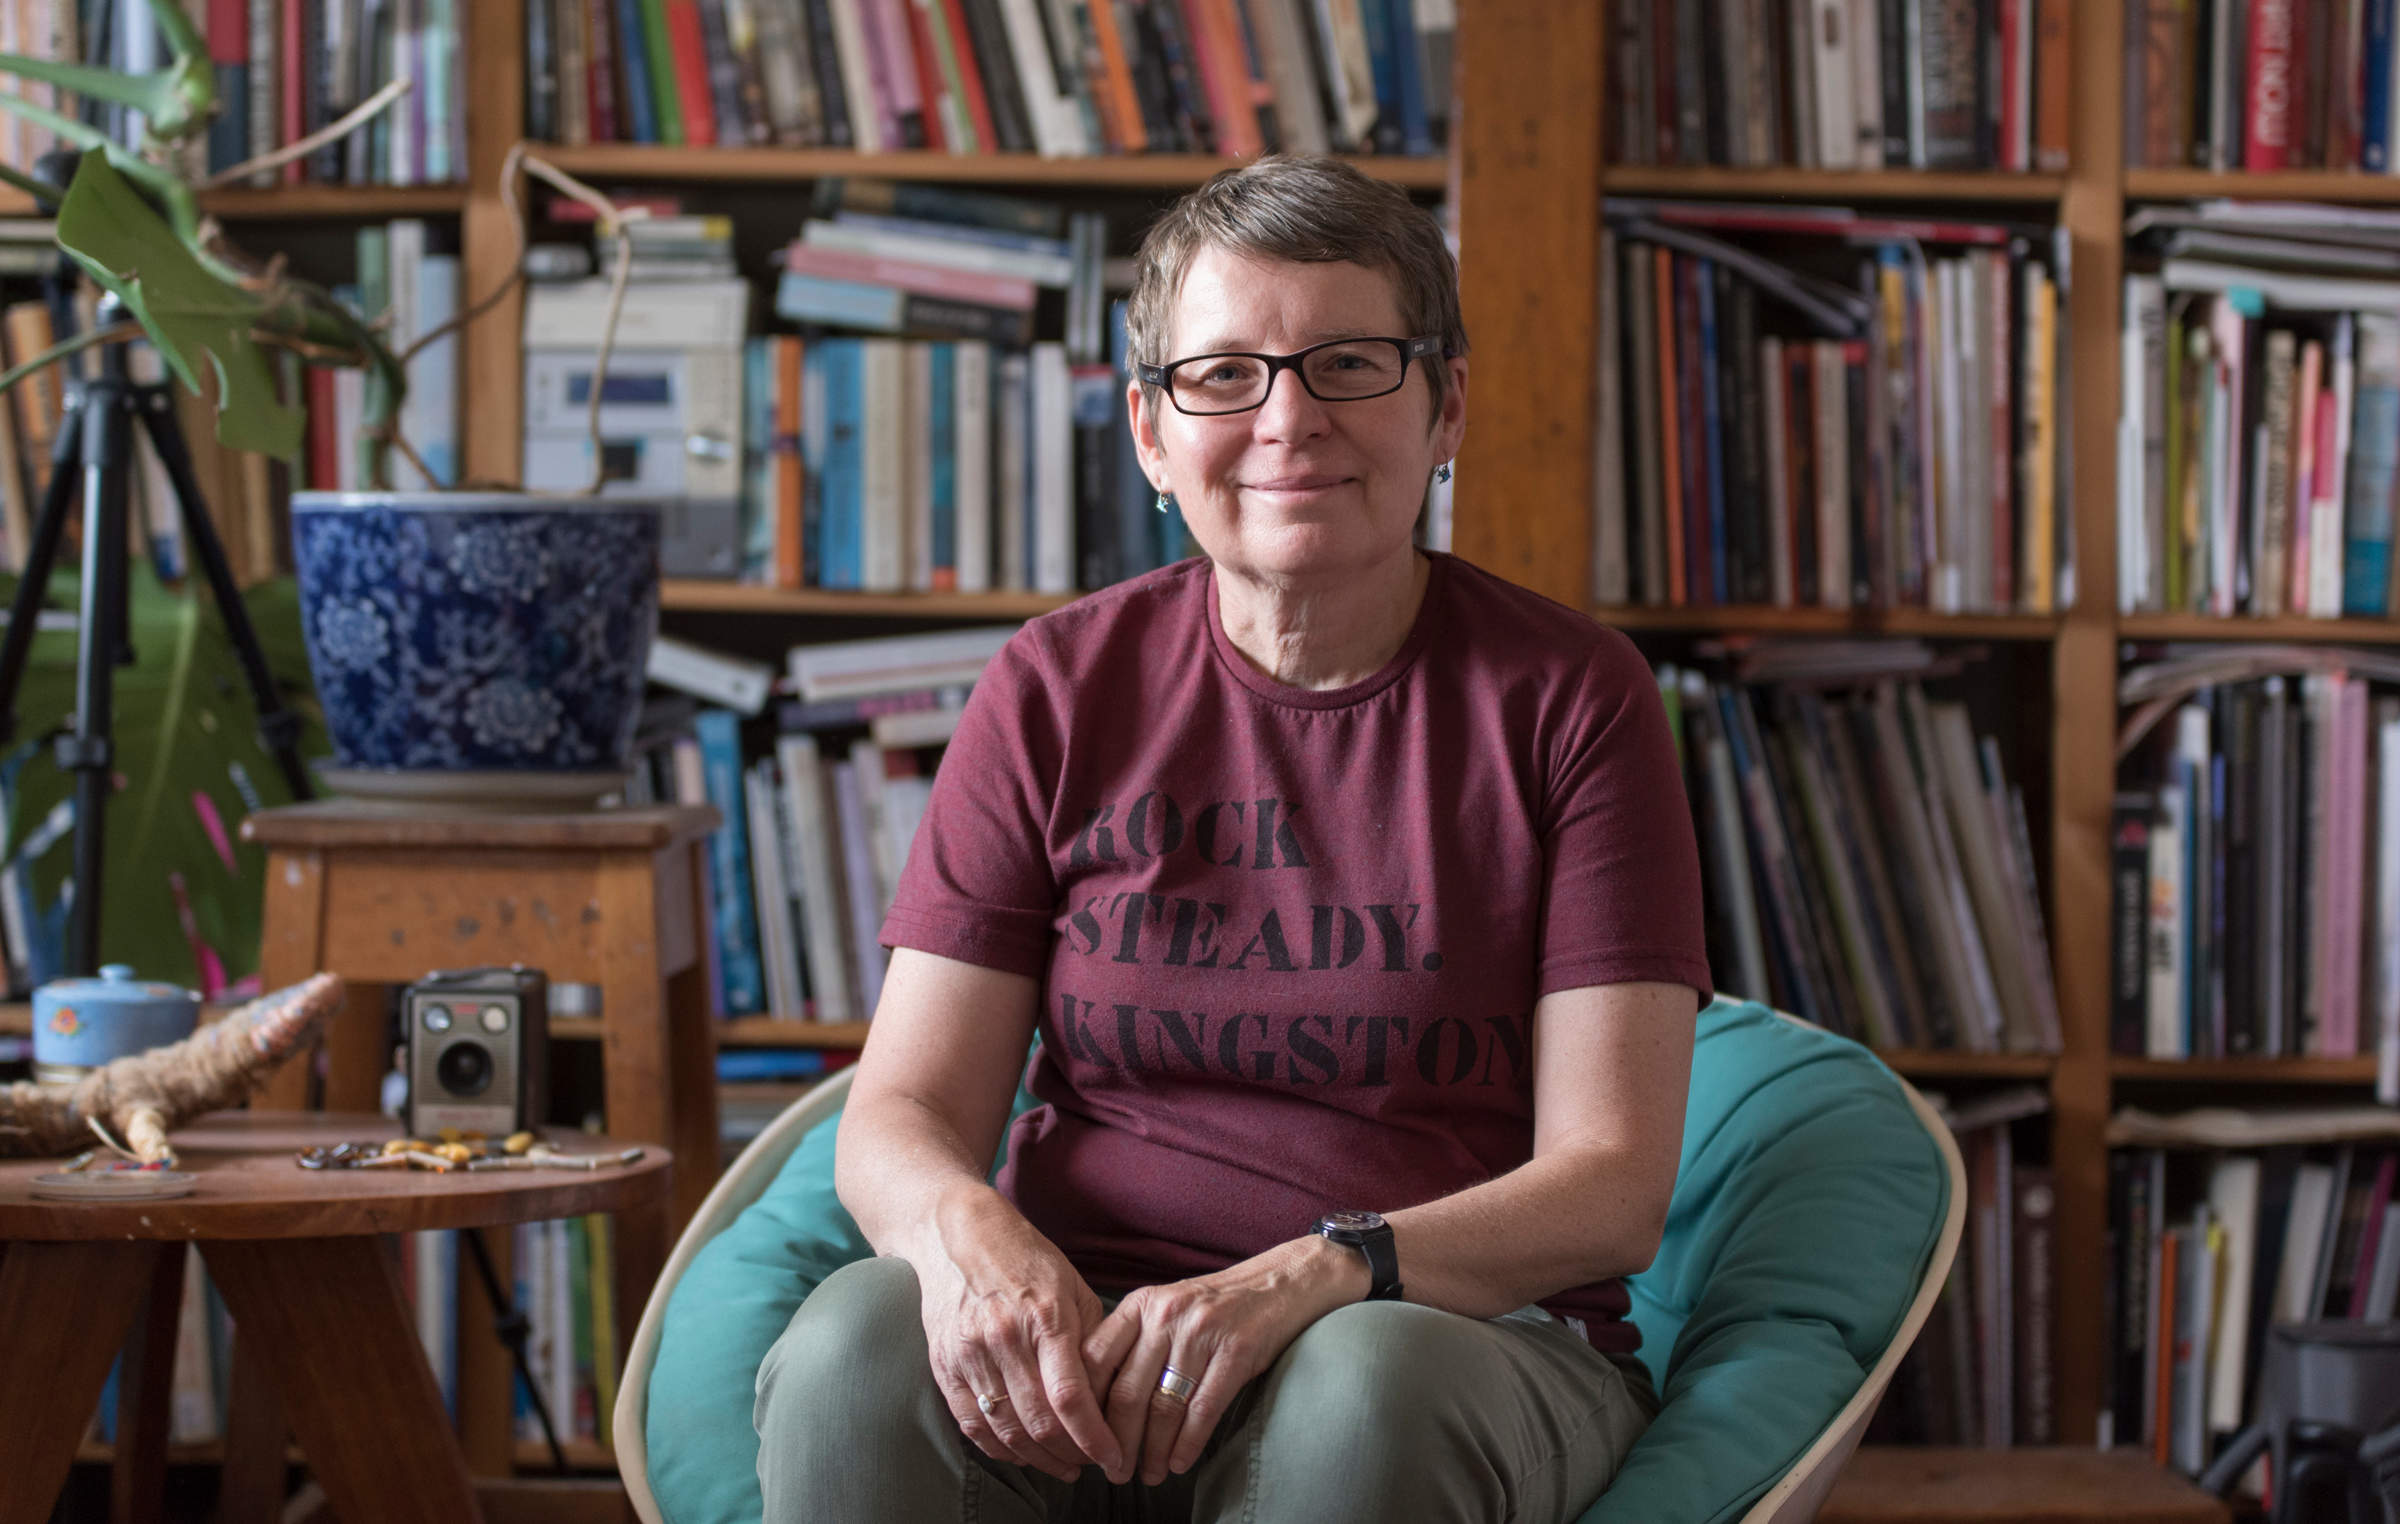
pixel 190 312
pixel 180 892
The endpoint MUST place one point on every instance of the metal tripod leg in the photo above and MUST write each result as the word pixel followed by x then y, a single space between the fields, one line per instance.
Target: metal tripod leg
pixel 87 751
pixel 66 458
pixel 278 727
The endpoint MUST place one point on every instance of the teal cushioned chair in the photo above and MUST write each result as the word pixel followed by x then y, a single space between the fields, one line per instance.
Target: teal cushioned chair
pixel 1815 1216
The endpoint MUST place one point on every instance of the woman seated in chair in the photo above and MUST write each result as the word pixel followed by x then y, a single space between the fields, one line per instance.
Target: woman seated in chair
pixel 1353 893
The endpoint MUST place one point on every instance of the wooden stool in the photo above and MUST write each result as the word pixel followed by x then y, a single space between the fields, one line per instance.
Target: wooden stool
pixel 615 898
pixel 1896 1484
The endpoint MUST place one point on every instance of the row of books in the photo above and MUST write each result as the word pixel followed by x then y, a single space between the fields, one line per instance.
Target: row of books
pixel 2255 855
pixel 1842 84
pixel 1865 856
pixel 2259 434
pixel 285 69
pixel 1981 1371
pixel 1054 77
pixel 563 1279
pixel 408 278
pixel 818 802
pixel 1802 405
pixel 2308 84
pixel 927 466
pixel 2215 1238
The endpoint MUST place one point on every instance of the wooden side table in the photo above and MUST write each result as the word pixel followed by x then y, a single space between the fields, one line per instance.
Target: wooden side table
pixel 316 1303
pixel 615 898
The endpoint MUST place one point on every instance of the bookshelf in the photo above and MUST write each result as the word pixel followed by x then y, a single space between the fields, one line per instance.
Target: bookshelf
pixel 2089 201
pixel 1525 175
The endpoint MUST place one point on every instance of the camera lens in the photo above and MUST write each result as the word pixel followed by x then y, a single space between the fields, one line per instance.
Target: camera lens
pixel 465 1068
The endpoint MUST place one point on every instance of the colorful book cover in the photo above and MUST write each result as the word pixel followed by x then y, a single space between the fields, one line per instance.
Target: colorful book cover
pixel 719 731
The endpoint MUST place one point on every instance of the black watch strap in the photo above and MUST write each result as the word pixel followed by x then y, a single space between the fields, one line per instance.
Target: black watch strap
pixel 1371 1236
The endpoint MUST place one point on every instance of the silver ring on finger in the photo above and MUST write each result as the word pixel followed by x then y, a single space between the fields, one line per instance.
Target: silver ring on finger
pixel 1177 1387
pixel 991 1405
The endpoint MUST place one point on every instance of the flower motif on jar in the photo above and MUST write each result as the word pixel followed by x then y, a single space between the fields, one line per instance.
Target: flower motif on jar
pixel 511 715
pixel 506 559
pixel 353 635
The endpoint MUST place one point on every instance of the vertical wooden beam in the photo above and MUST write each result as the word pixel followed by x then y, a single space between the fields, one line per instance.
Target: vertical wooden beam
pixel 2083 729
pixel 492 358
pixel 1527 146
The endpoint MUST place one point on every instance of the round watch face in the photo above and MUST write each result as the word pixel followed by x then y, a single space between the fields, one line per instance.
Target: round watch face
pixel 1353 1222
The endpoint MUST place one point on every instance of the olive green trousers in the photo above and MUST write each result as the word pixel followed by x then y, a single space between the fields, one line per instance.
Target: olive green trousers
pixel 1381 1411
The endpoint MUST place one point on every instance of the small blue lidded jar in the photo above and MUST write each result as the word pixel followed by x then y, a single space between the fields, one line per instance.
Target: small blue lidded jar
pixel 81 1024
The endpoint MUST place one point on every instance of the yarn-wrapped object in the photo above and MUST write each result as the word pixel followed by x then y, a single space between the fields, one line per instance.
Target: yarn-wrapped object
pixel 142 1097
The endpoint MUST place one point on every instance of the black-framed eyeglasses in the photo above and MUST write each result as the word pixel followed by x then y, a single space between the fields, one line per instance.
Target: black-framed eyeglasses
pixel 1338 370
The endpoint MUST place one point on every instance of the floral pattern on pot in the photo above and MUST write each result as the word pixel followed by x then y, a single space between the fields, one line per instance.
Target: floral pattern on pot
pixel 482 634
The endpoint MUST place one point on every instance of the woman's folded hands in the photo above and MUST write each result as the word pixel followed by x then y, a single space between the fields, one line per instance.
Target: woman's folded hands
pixel 1005 1318
pixel 1172 1357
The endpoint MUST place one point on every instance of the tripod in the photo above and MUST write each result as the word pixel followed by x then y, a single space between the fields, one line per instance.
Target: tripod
pixel 95 444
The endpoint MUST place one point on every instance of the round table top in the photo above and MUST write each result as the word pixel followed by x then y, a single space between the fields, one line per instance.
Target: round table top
pixel 250 1186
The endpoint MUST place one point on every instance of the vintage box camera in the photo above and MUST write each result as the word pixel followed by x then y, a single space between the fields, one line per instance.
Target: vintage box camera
pixel 478 1048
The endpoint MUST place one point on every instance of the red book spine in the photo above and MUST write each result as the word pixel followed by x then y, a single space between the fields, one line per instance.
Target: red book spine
pixel 691 73
pixel 930 86
pixel 970 76
pixel 600 44
pixel 294 91
pixel 228 32
pixel 2269 89
pixel 324 435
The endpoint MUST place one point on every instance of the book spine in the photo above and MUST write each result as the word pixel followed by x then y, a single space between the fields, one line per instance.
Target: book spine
pixel 2268 90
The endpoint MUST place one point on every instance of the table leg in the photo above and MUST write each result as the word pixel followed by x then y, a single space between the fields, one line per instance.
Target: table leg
pixel 63 1311
pixel 145 1393
pixel 250 1487
pixel 328 1316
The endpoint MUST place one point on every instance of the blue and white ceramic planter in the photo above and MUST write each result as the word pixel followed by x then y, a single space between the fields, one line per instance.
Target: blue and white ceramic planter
pixel 477 634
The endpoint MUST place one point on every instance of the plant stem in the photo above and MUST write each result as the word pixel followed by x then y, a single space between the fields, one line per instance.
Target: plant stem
pixel 47 196
pixel 66 347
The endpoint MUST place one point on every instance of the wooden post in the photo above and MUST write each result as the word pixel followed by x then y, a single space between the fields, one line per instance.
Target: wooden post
pixel 2083 728
pixel 493 352
pixel 1527 146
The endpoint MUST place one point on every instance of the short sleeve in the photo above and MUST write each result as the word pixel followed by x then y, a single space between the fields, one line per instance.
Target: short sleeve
pixel 1621 887
pixel 977 885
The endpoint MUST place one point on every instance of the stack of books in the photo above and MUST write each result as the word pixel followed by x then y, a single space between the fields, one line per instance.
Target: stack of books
pixel 2256 854
pixel 913 436
pixel 2262 87
pixel 819 808
pixel 1865 857
pixel 1803 405
pixel 284 71
pixel 1055 77
pixel 2222 1223
pixel 1842 84
pixel 2259 434
pixel 1981 1371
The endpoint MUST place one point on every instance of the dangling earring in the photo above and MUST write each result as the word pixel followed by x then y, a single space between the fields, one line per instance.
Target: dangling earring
pixel 1441 473
pixel 1166 501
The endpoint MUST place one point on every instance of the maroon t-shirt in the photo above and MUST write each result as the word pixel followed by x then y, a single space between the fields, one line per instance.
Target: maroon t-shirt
pixel 1290 940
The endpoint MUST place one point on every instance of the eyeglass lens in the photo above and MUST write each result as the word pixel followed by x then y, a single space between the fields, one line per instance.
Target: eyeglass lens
pixel 1337 373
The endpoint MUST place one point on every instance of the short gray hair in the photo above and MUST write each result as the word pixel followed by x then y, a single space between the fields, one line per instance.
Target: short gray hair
pixel 1307 208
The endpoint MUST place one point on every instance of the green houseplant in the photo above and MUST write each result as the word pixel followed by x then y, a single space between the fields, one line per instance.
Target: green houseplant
pixel 561 593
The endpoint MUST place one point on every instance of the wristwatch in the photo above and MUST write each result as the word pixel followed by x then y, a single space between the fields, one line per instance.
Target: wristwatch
pixel 1371 1236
